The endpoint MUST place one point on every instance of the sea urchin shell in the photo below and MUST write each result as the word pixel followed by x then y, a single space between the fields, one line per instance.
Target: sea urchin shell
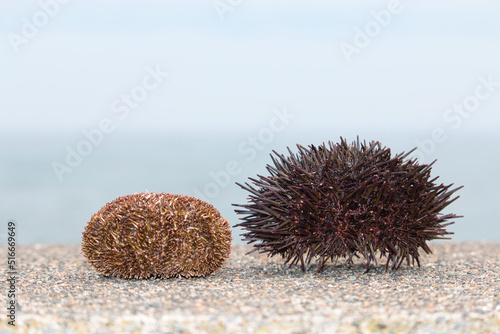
pixel 340 200
pixel 156 235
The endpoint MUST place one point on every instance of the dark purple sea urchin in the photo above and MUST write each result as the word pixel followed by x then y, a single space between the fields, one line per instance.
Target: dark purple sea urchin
pixel 156 235
pixel 341 201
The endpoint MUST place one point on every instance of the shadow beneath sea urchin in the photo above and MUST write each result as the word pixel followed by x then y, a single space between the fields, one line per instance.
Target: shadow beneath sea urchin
pixel 360 269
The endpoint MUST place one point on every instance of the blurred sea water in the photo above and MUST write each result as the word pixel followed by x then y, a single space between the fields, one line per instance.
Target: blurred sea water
pixel 49 211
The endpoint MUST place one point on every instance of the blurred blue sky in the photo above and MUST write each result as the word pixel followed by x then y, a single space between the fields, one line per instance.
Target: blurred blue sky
pixel 227 72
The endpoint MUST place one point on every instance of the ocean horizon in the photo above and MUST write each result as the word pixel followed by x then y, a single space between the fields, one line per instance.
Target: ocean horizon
pixel 51 205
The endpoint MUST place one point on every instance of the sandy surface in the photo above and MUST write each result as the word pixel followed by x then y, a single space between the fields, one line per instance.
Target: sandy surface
pixel 457 290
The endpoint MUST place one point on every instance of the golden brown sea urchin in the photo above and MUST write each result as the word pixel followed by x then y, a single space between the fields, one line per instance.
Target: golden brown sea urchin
pixel 345 200
pixel 156 235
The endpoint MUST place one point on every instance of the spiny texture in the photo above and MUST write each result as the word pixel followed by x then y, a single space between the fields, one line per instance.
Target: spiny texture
pixel 341 201
pixel 156 235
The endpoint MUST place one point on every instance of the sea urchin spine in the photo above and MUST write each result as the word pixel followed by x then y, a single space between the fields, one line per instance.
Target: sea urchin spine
pixel 156 235
pixel 345 200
